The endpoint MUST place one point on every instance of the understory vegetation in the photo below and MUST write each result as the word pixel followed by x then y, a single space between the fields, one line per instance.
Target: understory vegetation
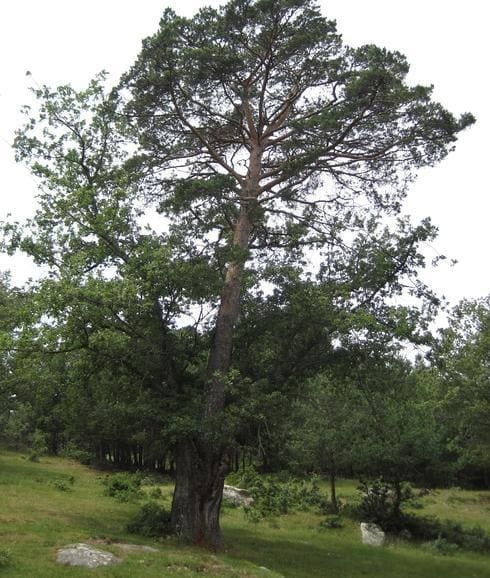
pixel 37 519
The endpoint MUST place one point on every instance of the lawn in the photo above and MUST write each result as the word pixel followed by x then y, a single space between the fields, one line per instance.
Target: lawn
pixel 56 502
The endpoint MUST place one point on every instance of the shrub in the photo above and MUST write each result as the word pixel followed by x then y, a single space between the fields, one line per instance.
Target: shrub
pixel 440 546
pixel 379 505
pixel 71 452
pixel 253 515
pixel 415 505
pixel 245 477
pixel 272 498
pixel 61 485
pixel 154 479
pixel 5 557
pixel 38 443
pixel 351 510
pixel 331 522
pixel 151 520
pixel 431 529
pixel 327 508
pixel 155 493
pixel 123 487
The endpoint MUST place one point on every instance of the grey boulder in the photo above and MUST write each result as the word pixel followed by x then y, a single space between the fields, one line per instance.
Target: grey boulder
pixel 372 534
pixel 236 496
pixel 85 556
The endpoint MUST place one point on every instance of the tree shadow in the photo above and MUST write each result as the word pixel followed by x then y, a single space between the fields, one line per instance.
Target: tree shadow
pixel 338 559
pixel 298 559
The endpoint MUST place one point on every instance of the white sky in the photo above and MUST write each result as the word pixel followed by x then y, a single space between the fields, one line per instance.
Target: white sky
pixel 63 41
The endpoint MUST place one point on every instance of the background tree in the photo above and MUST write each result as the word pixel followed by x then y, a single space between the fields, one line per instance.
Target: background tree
pixel 460 383
pixel 400 440
pixel 329 422
pixel 100 322
pixel 12 303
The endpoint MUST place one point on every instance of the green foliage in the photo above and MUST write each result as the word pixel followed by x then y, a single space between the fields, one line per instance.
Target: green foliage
pixel 332 522
pixel 275 498
pixel 460 384
pixel 38 443
pixel 124 487
pixel 5 557
pixel 330 508
pixel 244 477
pixel 381 504
pixel 326 419
pixel 151 520
pixel 71 452
pixel 17 428
pixel 440 546
pixel 431 529
pixel 61 485
pixel 155 494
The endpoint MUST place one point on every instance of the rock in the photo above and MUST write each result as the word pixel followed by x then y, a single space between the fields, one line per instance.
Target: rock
pixel 237 496
pixel 86 556
pixel 372 534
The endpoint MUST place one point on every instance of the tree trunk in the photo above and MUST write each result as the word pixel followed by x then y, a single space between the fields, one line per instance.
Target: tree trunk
pixel 333 492
pixel 197 496
pixel 201 461
pixel 397 498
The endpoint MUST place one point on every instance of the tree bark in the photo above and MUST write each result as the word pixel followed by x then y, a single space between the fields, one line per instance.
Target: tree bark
pixel 201 461
pixel 333 491
pixel 197 496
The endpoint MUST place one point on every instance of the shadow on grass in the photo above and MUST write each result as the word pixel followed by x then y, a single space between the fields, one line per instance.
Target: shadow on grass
pixel 339 559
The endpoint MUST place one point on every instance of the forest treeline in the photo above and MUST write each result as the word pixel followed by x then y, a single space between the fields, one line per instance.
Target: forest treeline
pixel 295 401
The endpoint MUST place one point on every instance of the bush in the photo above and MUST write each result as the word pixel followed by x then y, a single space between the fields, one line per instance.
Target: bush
pixel 272 498
pixel 253 514
pixel 151 520
pixel 123 487
pixel 155 493
pixel 440 546
pixel 5 557
pixel 72 452
pixel 154 479
pixel 326 507
pixel 38 443
pixel 61 485
pixel 351 510
pixel 331 523
pixel 431 529
pixel 244 478
pixel 379 505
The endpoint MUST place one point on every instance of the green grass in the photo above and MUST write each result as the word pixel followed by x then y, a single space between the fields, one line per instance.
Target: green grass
pixel 463 506
pixel 41 510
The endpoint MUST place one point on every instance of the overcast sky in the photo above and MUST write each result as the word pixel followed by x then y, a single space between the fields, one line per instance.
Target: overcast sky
pixel 63 41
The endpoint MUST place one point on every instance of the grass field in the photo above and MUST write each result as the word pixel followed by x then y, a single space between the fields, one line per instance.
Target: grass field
pixel 56 502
